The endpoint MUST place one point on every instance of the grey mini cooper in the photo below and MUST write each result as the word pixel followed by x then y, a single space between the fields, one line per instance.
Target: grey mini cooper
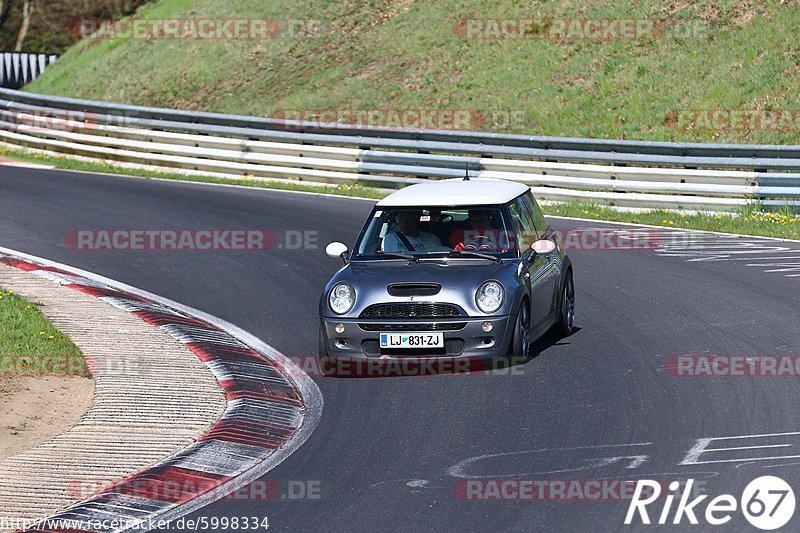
pixel 458 268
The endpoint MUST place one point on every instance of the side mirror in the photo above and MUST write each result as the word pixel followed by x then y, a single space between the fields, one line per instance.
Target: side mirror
pixel 337 249
pixel 543 247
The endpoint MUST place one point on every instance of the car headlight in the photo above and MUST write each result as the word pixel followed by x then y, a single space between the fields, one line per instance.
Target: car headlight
pixel 342 298
pixel 489 296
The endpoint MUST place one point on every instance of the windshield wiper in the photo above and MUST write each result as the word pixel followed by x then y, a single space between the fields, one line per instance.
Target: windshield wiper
pixel 476 254
pixel 398 255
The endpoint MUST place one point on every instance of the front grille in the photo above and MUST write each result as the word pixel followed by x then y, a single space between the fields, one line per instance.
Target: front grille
pixel 451 347
pixel 440 326
pixel 411 310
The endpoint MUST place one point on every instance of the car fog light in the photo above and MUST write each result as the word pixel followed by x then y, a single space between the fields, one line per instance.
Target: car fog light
pixel 487 326
pixel 339 328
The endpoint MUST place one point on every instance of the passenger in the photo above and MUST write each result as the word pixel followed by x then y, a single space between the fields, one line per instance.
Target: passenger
pixel 410 238
pixel 482 236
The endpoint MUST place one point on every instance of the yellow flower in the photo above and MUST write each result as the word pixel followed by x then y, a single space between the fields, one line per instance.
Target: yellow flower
pixel 52 336
pixel 10 291
pixel 664 221
pixel 41 333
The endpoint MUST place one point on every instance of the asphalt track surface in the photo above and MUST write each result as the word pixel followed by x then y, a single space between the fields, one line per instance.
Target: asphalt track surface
pixel 389 451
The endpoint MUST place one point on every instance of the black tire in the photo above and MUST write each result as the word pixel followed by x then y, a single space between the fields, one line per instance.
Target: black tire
pixel 323 350
pixel 566 318
pixel 520 343
pixel 326 364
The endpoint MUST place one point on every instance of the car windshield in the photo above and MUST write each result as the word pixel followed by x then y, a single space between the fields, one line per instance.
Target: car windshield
pixel 427 231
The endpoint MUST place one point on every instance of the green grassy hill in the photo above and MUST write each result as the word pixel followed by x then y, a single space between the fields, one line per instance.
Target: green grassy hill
pixel 413 55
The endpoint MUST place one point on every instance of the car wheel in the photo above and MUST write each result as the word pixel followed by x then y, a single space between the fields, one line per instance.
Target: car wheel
pixel 326 364
pixel 566 322
pixel 323 350
pixel 521 345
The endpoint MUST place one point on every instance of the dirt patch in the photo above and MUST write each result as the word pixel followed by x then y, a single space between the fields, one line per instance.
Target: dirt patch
pixel 390 11
pixel 35 409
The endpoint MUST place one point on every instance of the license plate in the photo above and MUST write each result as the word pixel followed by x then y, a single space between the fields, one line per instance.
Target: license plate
pixel 412 340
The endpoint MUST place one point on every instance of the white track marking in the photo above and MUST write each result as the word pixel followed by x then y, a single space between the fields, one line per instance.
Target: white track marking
pixel 700 447
pixel 747 447
pixel 634 461
pixel 783 257
pixel 794 463
pixel 697 232
pixel 787 267
pixel 693 457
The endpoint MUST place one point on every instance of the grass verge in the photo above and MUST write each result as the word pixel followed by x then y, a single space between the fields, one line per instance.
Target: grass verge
pixel 374 55
pixel 31 346
pixel 66 163
pixel 750 220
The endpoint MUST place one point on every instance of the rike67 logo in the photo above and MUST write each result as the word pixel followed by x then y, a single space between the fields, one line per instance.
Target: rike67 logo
pixel 767 502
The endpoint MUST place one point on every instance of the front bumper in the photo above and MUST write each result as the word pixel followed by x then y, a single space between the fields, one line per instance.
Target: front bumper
pixel 464 337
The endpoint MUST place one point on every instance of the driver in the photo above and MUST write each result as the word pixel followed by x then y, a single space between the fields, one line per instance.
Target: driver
pixel 410 238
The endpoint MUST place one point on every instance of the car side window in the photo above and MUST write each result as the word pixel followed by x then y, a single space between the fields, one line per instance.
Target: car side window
pixel 535 212
pixel 523 222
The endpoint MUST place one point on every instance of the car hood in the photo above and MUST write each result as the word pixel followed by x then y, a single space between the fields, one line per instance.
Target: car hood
pixel 442 272
pixel 459 279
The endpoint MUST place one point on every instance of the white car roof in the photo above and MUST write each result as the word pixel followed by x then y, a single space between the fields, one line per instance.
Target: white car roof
pixel 452 192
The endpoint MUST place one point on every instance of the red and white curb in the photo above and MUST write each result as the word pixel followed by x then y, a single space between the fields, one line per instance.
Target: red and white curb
pixel 272 408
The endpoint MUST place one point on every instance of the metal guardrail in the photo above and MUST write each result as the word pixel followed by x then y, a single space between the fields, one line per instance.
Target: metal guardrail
pixel 629 173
